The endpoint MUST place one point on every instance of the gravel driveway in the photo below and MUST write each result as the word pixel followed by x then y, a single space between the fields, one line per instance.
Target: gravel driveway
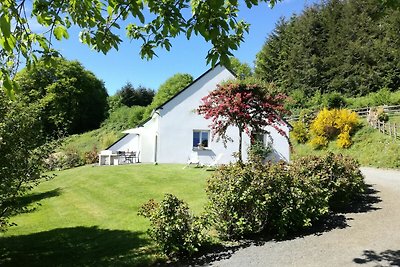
pixel 369 236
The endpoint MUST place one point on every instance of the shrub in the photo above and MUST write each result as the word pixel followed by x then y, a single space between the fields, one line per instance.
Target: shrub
pixel 174 229
pixel 330 124
pixel 90 157
pixel 381 114
pixel 238 198
pixel 319 142
pixel 344 140
pixel 300 132
pixel 337 173
pixel 382 97
pixel 247 199
pixel 69 158
pixel 334 100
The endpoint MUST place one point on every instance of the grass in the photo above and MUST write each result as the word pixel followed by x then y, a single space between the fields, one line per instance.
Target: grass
pixel 370 147
pixel 97 139
pixel 87 216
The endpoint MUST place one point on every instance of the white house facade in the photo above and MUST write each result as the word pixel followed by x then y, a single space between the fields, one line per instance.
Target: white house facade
pixel 175 132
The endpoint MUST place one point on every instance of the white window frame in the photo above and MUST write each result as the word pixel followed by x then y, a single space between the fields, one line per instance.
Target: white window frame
pixel 201 135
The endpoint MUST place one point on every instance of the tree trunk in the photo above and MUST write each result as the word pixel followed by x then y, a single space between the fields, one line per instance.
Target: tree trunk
pixel 240 145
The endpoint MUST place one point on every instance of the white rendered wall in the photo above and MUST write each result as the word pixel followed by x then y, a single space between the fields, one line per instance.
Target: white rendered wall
pixel 179 119
pixel 280 144
pixel 147 139
pixel 130 142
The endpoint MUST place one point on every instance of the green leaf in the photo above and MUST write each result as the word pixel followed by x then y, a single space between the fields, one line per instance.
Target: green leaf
pixel 189 32
pixel 5 25
pixel 8 86
pixel 110 10
pixel 140 16
pixel 60 32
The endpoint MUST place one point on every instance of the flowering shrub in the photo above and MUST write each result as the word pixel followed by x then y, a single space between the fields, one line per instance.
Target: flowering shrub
pixel 319 142
pixel 330 124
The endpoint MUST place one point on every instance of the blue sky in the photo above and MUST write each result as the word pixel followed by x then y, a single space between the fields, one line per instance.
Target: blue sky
pixel 186 56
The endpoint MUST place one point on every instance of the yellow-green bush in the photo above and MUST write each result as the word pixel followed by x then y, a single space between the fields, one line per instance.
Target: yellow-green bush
pixel 300 132
pixel 318 142
pixel 344 140
pixel 331 124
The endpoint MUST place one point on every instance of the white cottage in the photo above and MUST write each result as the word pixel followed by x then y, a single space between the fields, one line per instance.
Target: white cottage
pixel 175 130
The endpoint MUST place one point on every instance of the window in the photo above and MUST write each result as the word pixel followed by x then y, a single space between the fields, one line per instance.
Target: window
pixel 200 138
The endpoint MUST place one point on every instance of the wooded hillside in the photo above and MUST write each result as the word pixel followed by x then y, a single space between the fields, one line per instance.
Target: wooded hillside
pixel 351 47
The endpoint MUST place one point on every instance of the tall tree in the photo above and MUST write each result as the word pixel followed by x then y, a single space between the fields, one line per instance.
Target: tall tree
pixel 168 89
pixel 337 46
pixel 242 70
pixel 249 107
pixel 130 96
pixel 73 99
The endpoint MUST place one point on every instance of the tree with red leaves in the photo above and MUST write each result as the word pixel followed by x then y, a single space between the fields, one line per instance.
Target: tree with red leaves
pixel 247 106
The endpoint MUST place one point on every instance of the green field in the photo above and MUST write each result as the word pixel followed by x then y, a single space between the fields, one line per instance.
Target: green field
pixel 87 216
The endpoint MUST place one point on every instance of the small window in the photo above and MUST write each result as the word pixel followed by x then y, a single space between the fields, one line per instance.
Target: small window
pixel 200 138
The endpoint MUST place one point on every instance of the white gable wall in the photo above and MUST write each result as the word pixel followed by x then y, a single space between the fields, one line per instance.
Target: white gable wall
pixel 179 119
pixel 130 142
pixel 280 144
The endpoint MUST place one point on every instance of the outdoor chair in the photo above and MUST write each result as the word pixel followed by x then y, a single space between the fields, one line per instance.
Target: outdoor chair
pixel 215 162
pixel 193 160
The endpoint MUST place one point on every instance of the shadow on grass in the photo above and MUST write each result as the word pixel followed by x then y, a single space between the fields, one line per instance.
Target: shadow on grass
pixel 387 257
pixel 78 246
pixel 25 203
pixel 364 203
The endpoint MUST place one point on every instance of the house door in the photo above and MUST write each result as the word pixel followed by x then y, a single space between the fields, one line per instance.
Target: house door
pixel 155 149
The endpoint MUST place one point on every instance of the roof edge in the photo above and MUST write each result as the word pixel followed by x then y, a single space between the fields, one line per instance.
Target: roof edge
pixel 116 141
pixel 194 81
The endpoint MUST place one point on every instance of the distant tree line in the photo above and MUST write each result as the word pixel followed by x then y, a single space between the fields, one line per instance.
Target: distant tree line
pixel 351 47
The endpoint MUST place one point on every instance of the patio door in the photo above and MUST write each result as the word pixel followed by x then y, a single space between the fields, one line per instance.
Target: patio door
pixel 155 148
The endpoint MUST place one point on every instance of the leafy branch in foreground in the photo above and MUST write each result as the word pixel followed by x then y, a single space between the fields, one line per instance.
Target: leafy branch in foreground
pixel 152 22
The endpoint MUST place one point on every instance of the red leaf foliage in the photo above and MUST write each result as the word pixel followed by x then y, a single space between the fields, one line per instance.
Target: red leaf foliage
pixel 247 106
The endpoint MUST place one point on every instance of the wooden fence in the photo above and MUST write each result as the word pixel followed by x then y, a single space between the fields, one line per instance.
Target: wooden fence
pixel 388 128
pixel 362 112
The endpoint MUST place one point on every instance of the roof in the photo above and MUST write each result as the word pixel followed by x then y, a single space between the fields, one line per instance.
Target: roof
pixel 116 141
pixel 201 76
pixel 178 93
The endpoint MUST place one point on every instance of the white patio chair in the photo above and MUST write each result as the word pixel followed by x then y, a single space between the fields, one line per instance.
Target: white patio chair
pixel 215 162
pixel 193 159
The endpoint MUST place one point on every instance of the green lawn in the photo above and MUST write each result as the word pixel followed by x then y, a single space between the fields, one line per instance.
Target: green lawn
pixel 88 215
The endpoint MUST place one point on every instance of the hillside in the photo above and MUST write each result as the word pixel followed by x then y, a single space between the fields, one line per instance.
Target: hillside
pixel 346 47
pixel 370 148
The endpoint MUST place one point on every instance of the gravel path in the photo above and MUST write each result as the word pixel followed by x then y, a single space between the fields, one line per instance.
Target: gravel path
pixel 369 237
